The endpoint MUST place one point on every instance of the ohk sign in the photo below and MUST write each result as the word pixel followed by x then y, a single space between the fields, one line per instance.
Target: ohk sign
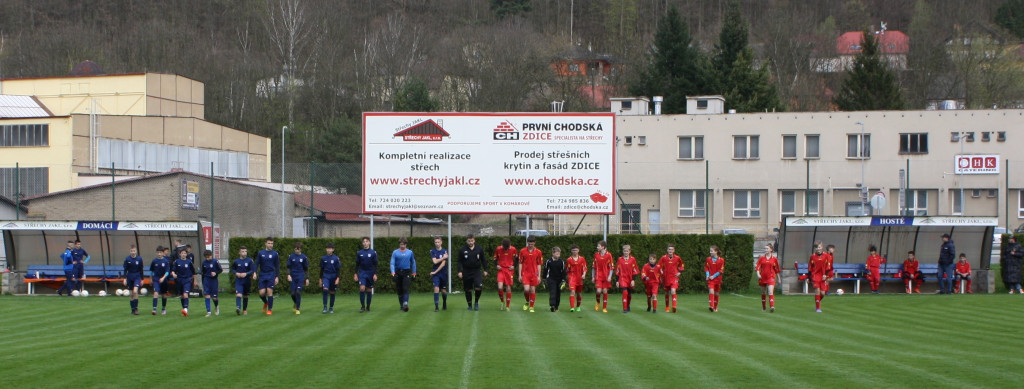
pixel 976 164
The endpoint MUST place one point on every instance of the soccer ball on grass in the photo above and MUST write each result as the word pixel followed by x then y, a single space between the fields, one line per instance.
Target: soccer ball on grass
pixel 142 291
pixel 839 292
pixel 102 293
pixel 75 293
pixel 85 293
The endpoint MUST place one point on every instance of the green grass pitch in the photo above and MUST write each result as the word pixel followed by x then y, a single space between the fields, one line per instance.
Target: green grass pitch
pixel 858 341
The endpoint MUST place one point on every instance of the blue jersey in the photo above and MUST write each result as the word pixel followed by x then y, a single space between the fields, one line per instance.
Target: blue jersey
pixel 298 265
pixel 159 267
pixel 80 255
pixel 267 262
pixel 366 262
pixel 403 260
pixel 69 261
pixel 440 267
pixel 243 265
pixel 330 265
pixel 183 269
pixel 211 266
pixel 133 266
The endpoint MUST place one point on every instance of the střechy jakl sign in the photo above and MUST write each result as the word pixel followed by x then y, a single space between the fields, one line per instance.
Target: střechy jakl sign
pixel 488 163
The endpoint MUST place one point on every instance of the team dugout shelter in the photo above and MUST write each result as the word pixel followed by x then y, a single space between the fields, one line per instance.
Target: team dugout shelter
pixel 893 236
pixel 33 245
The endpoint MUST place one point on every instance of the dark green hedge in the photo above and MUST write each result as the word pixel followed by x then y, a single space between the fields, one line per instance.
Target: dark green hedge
pixel 737 249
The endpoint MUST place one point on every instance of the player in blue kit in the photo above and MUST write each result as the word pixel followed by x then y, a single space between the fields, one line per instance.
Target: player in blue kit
pixel 133 267
pixel 267 263
pixel 183 272
pixel 330 267
pixel 211 270
pixel 244 270
pixel 403 268
pixel 439 274
pixel 366 274
pixel 159 270
pixel 69 270
pixel 298 265
pixel 79 258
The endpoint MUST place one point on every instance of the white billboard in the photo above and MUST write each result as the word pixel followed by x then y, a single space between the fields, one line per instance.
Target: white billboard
pixel 976 164
pixel 557 163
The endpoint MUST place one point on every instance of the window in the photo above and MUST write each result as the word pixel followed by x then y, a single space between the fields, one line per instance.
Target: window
pixel 691 203
pixel 1020 203
pixel 574 67
pixel 31 181
pixel 641 140
pixel 691 147
pixel 151 157
pixel 745 147
pixel 916 143
pixel 812 203
pixel 746 204
pixel 917 202
pixel 789 147
pixel 702 104
pixel 858 146
pixel 24 135
pixel 627 105
pixel 976 193
pixel 956 202
pixel 986 136
pixel 811 148
pixel 788 199
pixel 1000 136
pixel 993 193
pixel 955 136
pixel 629 140
pixel 630 219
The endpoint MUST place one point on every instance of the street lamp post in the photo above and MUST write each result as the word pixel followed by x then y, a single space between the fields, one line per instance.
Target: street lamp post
pixel 963 212
pixel 283 129
pixel 860 153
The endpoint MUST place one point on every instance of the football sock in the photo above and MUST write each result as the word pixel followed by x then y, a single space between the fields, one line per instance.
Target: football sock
pixel 332 300
pixel 817 301
pixel 717 297
pixel 508 299
pixel 298 300
pixel 604 300
pixel 469 297
pixel 625 300
pixel 325 298
pixel 476 296
pixel 238 302
pixel 526 295
pixel 711 300
pixel 572 300
pixel 763 300
pixel 597 297
pixel 654 303
pixel 533 298
pixel 245 303
pixel 771 301
pixel 184 302
pixel 444 299
pixel 270 303
pixel 369 298
pixel 674 301
pixel 154 303
pixel 264 299
pixel 163 302
pixel 435 298
pixel 207 305
pixel 501 295
pixel 362 298
pixel 216 303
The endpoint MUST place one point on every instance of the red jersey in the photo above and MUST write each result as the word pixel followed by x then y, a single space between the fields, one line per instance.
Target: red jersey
pixel 626 269
pixel 529 261
pixel 651 274
pixel 576 268
pixel 819 266
pixel 603 265
pixel 505 258
pixel 768 267
pixel 670 267
pixel 910 266
pixel 963 267
pixel 712 267
pixel 831 260
pixel 874 261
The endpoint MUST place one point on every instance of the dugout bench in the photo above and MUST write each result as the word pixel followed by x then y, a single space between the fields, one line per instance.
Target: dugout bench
pixel 52 276
pixel 840 271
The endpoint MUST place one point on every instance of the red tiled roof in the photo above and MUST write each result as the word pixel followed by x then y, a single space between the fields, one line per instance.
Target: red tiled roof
pixel 892 42
pixel 332 205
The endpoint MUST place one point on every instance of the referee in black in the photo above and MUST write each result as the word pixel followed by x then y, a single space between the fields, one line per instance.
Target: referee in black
pixel 472 265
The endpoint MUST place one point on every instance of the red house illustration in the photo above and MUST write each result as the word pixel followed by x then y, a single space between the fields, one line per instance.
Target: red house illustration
pixel 427 131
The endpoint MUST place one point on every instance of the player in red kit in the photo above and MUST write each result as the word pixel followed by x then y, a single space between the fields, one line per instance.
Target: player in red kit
pixel 820 268
pixel 872 268
pixel 651 274
pixel 602 275
pixel 671 265
pixel 530 261
pixel 505 258
pixel 912 277
pixel 577 268
pixel 830 250
pixel 767 270
pixel 626 269
pixel 963 274
pixel 714 267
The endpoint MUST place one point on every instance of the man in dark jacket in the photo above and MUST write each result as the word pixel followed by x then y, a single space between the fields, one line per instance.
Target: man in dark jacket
pixel 947 257
pixel 1010 263
pixel 472 263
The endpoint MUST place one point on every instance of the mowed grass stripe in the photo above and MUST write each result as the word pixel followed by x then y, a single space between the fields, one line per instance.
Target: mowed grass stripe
pixel 590 356
pixel 523 329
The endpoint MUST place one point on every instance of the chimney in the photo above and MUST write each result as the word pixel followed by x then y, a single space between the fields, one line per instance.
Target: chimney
pixel 657 104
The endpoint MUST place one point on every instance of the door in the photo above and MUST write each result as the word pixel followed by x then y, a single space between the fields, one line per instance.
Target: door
pixel 654 221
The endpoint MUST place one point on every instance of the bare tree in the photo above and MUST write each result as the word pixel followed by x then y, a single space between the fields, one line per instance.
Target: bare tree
pixel 294 35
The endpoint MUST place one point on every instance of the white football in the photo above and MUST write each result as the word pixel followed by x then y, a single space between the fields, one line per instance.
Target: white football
pixel 839 292
pixel 118 292
pixel 75 293
pixel 85 293
pixel 102 293
pixel 142 291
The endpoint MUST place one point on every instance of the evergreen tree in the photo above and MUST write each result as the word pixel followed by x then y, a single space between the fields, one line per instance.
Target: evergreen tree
pixel 414 97
pixel 1010 16
pixel 870 85
pixel 745 88
pixel 675 69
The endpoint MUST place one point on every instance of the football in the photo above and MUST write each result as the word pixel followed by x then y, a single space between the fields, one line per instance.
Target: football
pixel 143 291
pixel 839 292
pixel 102 293
pixel 75 293
pixel 119 292
pixel 85 293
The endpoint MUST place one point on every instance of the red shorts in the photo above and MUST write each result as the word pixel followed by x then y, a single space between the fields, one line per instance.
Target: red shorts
pixel 602 283
pixel 575 285
pixel 766 281
pixel 530 279
pixel 819 283
pixel 715 285
pixel 651 288
pixel 873 274
pixel 505 277
pixel 624 283
pixel 670 284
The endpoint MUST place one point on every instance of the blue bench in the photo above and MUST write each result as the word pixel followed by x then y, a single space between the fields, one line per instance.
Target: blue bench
pixel 53 275
pixel 849 272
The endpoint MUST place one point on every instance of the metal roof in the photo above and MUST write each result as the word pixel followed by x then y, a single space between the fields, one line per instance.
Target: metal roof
pixel 14 106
